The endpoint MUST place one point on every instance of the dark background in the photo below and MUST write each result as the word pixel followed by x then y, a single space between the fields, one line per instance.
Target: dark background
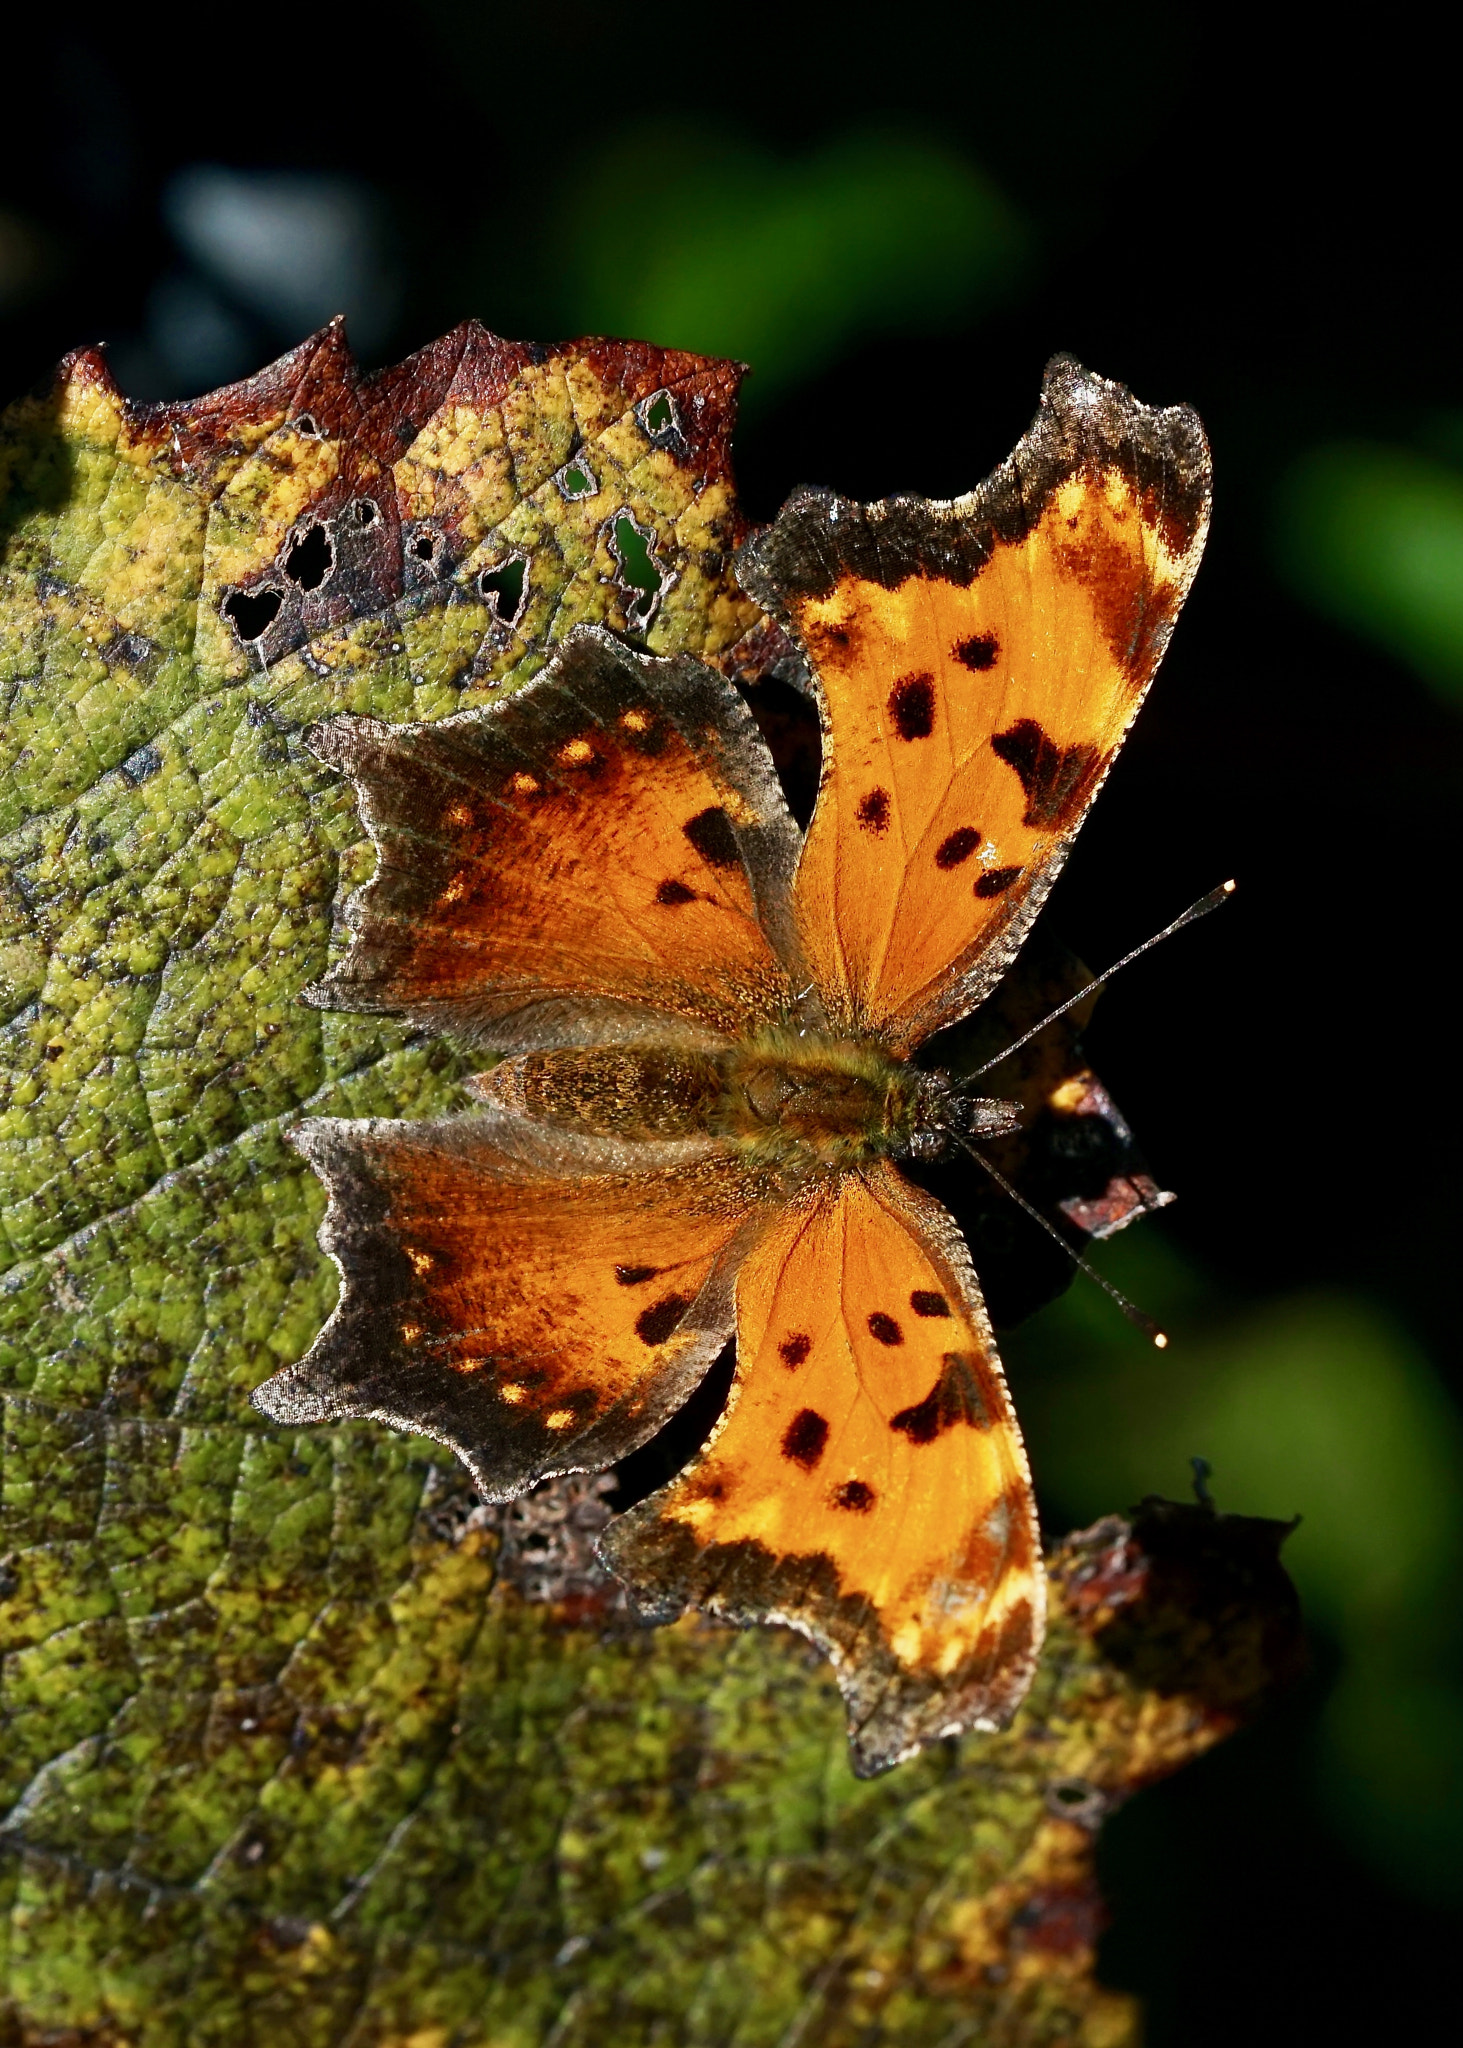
pixel 1258 217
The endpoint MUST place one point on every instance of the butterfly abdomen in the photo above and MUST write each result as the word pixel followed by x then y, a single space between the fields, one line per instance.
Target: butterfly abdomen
pixel 613 1091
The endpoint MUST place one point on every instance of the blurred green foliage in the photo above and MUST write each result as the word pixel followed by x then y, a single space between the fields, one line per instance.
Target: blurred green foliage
pixel 1321 1406
pixel 710 241
pixel 1372 536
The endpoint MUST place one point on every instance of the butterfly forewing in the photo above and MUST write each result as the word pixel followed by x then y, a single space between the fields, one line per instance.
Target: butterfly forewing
pixel 979 663
pixel 868 1484
pixel 535 1321
pixel 614 834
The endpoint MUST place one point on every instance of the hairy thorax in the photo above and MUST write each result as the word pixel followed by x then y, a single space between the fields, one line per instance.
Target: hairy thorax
pixel 799 1101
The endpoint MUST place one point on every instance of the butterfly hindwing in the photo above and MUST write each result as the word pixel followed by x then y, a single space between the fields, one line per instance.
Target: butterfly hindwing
pixel 612 837
pixel 868 1484
pixel 536 1321
pixel 978 664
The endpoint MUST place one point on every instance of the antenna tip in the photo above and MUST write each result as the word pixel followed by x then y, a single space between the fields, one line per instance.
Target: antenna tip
pixel 1229 887
pixel 1160 1340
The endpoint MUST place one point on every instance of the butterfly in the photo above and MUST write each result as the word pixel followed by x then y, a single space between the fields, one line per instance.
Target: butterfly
pixel 710 1080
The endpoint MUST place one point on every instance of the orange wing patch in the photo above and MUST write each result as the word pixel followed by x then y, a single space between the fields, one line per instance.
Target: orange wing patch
pixel 869 1484
pixel 980 663
pixel 535 1322
pixel 613 833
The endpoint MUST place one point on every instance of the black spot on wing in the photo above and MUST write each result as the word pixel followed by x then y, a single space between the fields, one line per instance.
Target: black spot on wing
pixel 794 1349
pixel 806 1436
pixel 710 832
pixel 855 1496
pixel 925 1302
pixel 979 652
pixel 954 1398
pixel 996 881
pixel 1057 781
pixel 957 846
pixel 912 707
pixel 873 811
pixel 635 1276
pixel 883 1329
pixel 654 1324
pixel 673 893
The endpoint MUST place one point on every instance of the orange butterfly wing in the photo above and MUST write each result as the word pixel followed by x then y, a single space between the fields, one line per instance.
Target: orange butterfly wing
pixel 536 1320
pixel 979 664
pixel 868 1483
pixel 610 838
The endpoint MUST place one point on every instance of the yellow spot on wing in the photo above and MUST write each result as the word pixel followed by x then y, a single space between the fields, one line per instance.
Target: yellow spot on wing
pixel 635 720
pixel 513 1394
pixel 421 1262
pixel 525 785
pixel 575 752
pixel 558 1418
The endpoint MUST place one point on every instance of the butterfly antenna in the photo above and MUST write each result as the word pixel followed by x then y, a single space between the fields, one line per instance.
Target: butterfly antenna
pixel 1130 1309
pixel 1195 911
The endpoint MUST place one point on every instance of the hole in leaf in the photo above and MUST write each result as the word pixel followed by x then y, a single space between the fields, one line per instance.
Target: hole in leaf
pixel 659 417
pixel 310 559
pixel 505 587
pixel 424 547
pixel 367 511
pixel 576 480
pixel 1076 1799
pixel 306 424
pixel 252 612
pixel 641 578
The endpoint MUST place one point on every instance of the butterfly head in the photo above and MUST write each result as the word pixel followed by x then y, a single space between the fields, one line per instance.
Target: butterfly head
pixel 949 1116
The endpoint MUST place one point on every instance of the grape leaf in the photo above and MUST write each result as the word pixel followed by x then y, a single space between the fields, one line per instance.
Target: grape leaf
pixel 299 1745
